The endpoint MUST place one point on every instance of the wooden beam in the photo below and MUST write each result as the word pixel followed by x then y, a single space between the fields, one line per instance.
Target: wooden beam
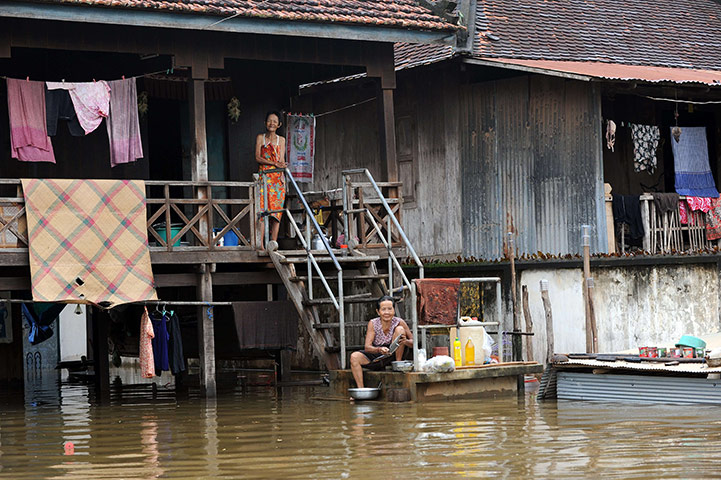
pixel 387 134
pixel 14 283
pixel 206 334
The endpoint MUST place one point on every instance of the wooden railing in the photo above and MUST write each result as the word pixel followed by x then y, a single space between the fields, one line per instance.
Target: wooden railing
pixel 188 208
pixel 664 232
pixel 363 197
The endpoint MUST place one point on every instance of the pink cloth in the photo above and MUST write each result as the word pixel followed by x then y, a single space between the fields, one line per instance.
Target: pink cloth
pixel 29 141
pixel 699 203
pixel 123 125
pixel 147 362
pixel 91 101
pixel 682 211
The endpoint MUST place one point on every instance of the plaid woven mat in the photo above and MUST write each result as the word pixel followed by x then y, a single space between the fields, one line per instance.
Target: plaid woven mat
pixel 88 241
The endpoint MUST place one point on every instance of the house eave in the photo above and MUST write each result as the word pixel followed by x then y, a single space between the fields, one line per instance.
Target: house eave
pixel 185 21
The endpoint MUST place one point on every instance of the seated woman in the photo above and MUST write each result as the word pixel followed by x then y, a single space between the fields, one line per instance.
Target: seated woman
pixel 382 331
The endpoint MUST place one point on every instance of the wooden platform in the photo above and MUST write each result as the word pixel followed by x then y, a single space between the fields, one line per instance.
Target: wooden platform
pixel 478 382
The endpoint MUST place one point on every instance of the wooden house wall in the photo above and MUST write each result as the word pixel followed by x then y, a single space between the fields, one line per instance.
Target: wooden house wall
pixel 531 162
pixel 433 222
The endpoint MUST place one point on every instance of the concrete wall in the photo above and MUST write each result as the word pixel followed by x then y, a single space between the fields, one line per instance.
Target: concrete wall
pixel 635 306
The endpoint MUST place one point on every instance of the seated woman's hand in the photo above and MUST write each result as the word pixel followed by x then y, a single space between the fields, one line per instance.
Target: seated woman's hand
pixel 383 350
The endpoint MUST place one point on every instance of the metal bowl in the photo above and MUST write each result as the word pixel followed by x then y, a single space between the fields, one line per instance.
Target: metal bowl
pixel 402 366
pixel 364 393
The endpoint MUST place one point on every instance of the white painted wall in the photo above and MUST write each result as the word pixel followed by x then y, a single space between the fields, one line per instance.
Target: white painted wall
pixel 635 306
pixel 566 295
pixel 73 334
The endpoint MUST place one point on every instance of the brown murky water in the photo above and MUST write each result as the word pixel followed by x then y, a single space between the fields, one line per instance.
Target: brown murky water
pixel 261 433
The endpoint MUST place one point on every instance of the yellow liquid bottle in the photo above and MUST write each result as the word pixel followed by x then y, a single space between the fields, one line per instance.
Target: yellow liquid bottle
pixel 457 352
pixel 470 353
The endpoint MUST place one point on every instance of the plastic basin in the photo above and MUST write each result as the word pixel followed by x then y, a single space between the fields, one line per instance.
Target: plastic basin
pixel 691 341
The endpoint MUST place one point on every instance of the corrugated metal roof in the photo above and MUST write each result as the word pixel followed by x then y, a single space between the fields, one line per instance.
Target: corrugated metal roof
pixel 609 71
pixel 638 388
pixel 692 368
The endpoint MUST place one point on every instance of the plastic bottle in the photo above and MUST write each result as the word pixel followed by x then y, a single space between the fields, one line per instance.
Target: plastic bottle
pixel 422 358
pixel 457 352
pixel 470 353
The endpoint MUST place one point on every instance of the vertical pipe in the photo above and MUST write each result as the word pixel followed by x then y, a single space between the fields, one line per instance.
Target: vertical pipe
pixel 346 207
pixel 309 246
pixel 414 319
pixel 586 242
pixel 341 315
pixel 499 316
pixel 390 259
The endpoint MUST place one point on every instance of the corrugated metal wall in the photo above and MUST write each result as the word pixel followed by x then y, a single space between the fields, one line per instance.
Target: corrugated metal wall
pixel 638 388
pixel 531 159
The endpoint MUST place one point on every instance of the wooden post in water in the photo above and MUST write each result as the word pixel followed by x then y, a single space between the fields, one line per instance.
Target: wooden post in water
pixel 549 320
pixel 592 314
pixel 529 323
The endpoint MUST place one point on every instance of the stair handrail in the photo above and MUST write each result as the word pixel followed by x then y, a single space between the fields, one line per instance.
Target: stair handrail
pixel 310 222
pixel 393 219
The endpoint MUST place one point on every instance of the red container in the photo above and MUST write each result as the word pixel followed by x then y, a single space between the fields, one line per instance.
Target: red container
pixel 688 352
pixel 653 352
pixel 643 351
pixel 440 351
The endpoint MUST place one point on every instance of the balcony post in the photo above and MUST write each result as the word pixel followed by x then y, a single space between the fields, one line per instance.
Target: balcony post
pixel 206 333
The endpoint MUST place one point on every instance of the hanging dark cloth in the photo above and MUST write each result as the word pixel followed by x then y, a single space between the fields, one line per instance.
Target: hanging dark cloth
pixel 627 209
pixel 665 202
pixel 266 325
pixel 160 342
pixel 175 346
pixel 40 316
pixel 59 106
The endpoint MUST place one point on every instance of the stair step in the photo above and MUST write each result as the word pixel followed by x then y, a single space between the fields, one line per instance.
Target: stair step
pixel 321 326
pixel 303 278
pixel 360 298
pixel 348 348
pixel 327 259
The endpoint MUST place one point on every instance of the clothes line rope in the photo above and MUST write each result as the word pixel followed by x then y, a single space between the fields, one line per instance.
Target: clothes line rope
pixel 345 108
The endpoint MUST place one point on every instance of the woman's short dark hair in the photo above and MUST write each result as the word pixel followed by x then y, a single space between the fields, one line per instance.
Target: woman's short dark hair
pixel 385 298
pixel 276 113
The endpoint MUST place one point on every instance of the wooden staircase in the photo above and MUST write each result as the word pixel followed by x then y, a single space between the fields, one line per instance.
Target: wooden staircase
pixel 322 311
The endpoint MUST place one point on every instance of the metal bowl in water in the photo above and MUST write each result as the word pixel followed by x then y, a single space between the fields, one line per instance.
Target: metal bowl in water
pixel 364 393
pixel 402 366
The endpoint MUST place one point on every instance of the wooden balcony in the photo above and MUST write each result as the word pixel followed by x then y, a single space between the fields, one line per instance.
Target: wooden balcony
pixel 231 208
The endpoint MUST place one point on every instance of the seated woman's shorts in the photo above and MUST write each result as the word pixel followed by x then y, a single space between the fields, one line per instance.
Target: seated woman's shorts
pixel 379 365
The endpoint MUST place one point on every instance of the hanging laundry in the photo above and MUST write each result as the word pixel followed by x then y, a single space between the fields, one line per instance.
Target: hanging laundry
pixel 160 342
pixel 176 356
pixel 645 142
pixel 713 220
pixel 59 106
pixel 627 209
pixel 147 362
pixel 699 203
pixel 90 99
pixel 683 212
pixel 123 124
pixel 39 317
pixel 691 164
pixel 610 134
pixel 29 141
pixel 665 202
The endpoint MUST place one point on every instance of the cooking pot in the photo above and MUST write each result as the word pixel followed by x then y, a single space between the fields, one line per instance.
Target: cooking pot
pixel 402 366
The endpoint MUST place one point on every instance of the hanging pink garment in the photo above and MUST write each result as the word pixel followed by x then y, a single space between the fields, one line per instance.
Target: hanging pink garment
pixel 123 124
pixel 147 362
pixel 683 211
pixel 699 203
pixel 29 141
pixel 91 101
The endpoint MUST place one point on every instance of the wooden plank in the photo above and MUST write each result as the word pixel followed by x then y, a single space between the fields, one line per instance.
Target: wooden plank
pixel 529 322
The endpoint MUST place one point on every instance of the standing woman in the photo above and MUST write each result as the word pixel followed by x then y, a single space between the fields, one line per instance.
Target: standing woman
pixel 270 153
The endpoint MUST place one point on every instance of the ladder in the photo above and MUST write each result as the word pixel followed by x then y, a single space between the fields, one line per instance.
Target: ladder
pixel 334 267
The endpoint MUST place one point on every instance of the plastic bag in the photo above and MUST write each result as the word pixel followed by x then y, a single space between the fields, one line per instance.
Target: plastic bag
pixel 487 347
pixel 440 364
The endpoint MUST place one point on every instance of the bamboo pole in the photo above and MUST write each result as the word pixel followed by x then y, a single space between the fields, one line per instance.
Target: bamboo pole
pixel 549 320
pixel 529 323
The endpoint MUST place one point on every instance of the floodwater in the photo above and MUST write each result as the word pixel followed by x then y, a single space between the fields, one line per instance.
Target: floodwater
pixel 258 432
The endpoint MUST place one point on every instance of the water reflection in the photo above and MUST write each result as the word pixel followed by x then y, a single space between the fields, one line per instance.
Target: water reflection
pixel 256 433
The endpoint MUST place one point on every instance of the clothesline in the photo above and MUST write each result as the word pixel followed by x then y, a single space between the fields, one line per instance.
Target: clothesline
pixel 166 71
